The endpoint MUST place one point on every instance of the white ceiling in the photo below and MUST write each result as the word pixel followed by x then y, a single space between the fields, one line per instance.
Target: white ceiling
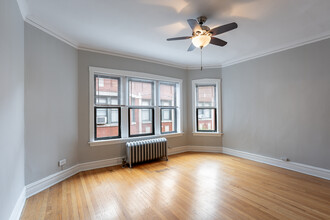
pixel 139 28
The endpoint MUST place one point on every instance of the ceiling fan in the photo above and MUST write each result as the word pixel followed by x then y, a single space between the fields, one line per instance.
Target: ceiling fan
pixel 203 35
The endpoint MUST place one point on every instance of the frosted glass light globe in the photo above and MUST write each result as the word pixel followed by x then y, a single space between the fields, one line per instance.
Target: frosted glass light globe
pixel 201 40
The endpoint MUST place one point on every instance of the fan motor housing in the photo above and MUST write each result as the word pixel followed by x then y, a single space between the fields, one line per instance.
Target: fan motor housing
pixel 205 29
pixel 201 19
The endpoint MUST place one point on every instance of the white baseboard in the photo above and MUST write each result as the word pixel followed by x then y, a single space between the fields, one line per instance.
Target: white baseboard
pixel 51 180
pixel 207 149
pixel 298 167
pixel 44 183
pixel 100 164
pixel 16 213
pixel 40 185
pixel 177 150
pixel 190 148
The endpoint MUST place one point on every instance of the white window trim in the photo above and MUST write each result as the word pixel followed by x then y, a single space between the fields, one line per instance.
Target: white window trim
pixel 217 82
pixel 124 104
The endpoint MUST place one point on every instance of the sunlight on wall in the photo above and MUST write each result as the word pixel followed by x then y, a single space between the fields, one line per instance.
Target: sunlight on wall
pixel 172 29
pixel 177 5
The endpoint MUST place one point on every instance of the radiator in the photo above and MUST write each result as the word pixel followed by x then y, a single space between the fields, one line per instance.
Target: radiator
pixel 144 150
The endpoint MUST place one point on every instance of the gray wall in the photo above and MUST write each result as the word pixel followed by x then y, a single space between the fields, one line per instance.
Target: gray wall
pixel 279 105
pixel 51 104
pixel 275 106
pixel 86 59
pixel 11 106
pixel 200 140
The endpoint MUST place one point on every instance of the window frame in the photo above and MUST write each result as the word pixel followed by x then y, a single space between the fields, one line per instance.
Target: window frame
pixel 136 79
pixel 175 119
pixel 174 107
pixel 124 101
pixel 215 118
pixel 152 121
pixel 106 105
pixel 217 107
pixel 119 124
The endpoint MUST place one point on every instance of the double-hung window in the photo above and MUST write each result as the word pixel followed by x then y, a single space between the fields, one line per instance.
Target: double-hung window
pixel 206 100
pixel 168 107
pixel 125 104
pixel 106 107
pixel 141 107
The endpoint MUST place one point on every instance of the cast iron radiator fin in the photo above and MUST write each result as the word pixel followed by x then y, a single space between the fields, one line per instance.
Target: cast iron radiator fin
pixel 144 150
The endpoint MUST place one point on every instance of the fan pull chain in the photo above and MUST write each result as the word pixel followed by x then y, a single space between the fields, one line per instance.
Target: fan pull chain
pixel 201 59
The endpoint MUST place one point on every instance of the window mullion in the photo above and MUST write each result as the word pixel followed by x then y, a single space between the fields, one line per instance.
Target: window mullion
pixel 179 106
pixel 124 122
pixel 157 109
pixel 124 109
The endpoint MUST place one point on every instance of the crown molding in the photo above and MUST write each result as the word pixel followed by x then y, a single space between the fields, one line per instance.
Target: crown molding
pixel 274 50
pixel 155 61
pixel 23 7
pixel 51 31
pixel 38 24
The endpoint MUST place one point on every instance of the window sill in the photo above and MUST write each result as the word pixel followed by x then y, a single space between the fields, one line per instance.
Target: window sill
pixel 108 125
pixel 207 134
pixel 124 140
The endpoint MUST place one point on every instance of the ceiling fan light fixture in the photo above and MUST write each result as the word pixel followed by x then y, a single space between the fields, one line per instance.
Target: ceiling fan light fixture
pixel 202 35
pixel 201 40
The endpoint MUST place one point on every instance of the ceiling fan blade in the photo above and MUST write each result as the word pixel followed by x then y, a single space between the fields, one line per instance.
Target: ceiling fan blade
pixel 218 42
pixel 178 38
pixel 223 28
pixel 191 48
pixel 194 25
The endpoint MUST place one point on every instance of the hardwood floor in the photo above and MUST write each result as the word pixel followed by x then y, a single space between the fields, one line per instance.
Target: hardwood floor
pixel 188 186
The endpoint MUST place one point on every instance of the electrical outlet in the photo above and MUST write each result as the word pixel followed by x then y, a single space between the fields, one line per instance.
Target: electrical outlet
pixel 284 158
pixel 61 163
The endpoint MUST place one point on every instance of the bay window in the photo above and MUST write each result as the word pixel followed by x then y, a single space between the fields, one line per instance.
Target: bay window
pixel 125 104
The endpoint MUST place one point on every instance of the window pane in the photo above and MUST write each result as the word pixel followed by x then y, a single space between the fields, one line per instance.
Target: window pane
pixel 146 115
pixel 140 93
pixel 205 95
pixel 107 122
pixel 106 90
pixel 141 121
pixel 168 120
pixel 146 102
pixel 206 120
pixel 167 94
pixel 132 115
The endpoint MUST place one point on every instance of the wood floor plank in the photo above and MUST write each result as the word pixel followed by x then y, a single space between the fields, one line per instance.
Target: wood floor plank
pixel 188 186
